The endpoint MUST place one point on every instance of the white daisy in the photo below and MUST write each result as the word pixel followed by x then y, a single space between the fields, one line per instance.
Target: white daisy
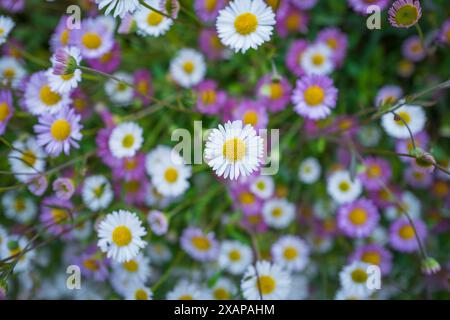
pixel 158 156
pixel 125 140
pixel 120 93
pixel 188 68
pixel 245 24
pixel 18 207
pixel 235 256
pixel 233 150
pixel 139 292
pixel 3 236
pixel 66 82
pixel 410 203
pixel 309 170
pixel 120 235
pixel 14 247
pixel 263 187
pixel 224 289
pixel 268 281
pixel 136 270
pixel 291 252
pixel 150 22
pixel 6 25
pixel 11 72
pixel 278 213
pixel 317 59
pixel 120 7
pixel 354 278
pixel 414 116
pixel 97 193
pixel 156 199
pixel 185 290
pixel 341 188
pixel 26 159
pixel 170 178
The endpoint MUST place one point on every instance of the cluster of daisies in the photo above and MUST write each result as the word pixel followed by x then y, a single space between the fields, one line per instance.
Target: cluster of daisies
pixel 91 177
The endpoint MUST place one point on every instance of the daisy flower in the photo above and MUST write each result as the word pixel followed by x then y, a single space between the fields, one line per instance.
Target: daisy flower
pixel 413 50
pixel 290 252
pixel 388 95
pixel 152 23
pixel 18 207
pixel 200 246
pixel 234 150
pixel 294 57
pixel 40 98
pixel 37 185
pixel 337 41
pixel 63 188
pixel 317 59
pixel 94 39
pixel 409 203
pixel 142 80
pixel 6 25
pixel 278 213
pixel 210 100
pixel 361 6
pixel 109 61
pixel 139 292
pixel 341 187
pixel 353 278
pixel 265 281
pixel 158 222
pixel 136 270
pixel 120 235
pixel 402 236
pixel 263 187
pixel 314 97
pixel 309 170
pixel 96 192
pixel 188 68
pixel 413 116
pixel 14 247
pixel 120 93
pixel 158 156
pixel 6 109
pixel 56 215
pixel 119 7
pixel 274 94
pixel 358 219
pixel 291 21
pixel 11 72
pixel 65 76
pixel 59 131
pixel 444 34
pixel 376 173
pixel 374 254
pixel 27 159
pixel 224 289
pixel 235 256
pixel 404 13
pixel 93 265
pixel 62 36
pixel 207 10
pixel 185 290
pixel 209 43
pixel 252 113
pixel 125 140
pixel 245 24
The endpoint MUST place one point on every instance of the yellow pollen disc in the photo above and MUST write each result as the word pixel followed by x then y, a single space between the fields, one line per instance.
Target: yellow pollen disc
pixel 2 31
pixel 140 294
pixel 266 284
pixel 209 97
pixel 188 67
pixel 260 185
pixel 131 266
pixel 406 15
pixel 358 216
pixel 67 77
pixel 246 198
pixel 121 236
pixel 91 40
pixel 201 243
pixel 215 42
pixel 9 73
pixel 186 297
pixel 29 157
pixel 4 111
pixel 318 59
pixel 221 294
pixel 277 212
pixel 210 5
pixel 441 188
pixel 293 22
pixel 332 43
pixel 171 175
pixel 60 129
pixel 234 255
pixel 59 215
pixel 359 276
pixel 130 164
pixel 106 57
pixel 154 18
pixel 64 37
pixel 91 264
pixel 19 205
pixel 234 150
pixel 132 186
pixel 290 253
pixel 246 23
pixel 344 186
pixel 406 232
pixel 371 257
pixel 405 116
pixel 314 95
pixel 276 91
pixel 142 87
pixel 99 191
pixel 49 97
pixel 251 117
pixel 128 141
pixel 374 171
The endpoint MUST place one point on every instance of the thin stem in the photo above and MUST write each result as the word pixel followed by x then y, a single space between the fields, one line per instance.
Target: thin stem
pixel 411 136
pixel 421 37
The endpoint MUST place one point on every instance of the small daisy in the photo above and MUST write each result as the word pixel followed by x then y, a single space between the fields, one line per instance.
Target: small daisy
pixel 63 79
pixel 252 113
pixel 388 95
pixel 27 159
pixel 337 41
pixel 120 235
pixel 125 140
pixel 245 24
pixel 358 219
pixel 314 97
pixel 294 57
pixel 274 93
pixel 413 50
pixel 120 93
pixel 266 281
pixel 353 278
pixel 109 61
pixel 224 289
pixel 135 270
pixel 402 236
pixel 158 222
pixel 96 192
pixel 188 68
pixel 150 22
pixel 158 156
pixel 374 254
pixel 59 132
pixel 290 20
pixel 409 203
pixel 278 213
pixel 376 173
pixel 14 247
pixel 317 59
pixel 6 25
pixel 142 80
pixel 263 187
pixel 413 116
pixel 62 35
pixel 209 43
pixel 18 207
pixel 6 109
pixel 170 177
pixel 64 188
pixel 200 246
pixel 11 72
pixel 94 38
pixel 210 100
pixel 120 7
pixel 341 187
pixel 185 290
pixel 290 252
pixel 139 292
pixel 235 256
pixel 234 150
pixel 93 265
pixel 404 13
pixel 361 6
pixel 309 170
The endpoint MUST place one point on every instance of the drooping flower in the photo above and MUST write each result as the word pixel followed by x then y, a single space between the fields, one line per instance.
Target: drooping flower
pixel 404 13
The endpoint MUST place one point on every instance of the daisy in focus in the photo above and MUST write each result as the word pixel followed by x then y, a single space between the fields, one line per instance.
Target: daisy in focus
pixel 125 140
pixel 406 116
pixel 405 13
pixel 358 219
pixel 65 76
pixel 119 7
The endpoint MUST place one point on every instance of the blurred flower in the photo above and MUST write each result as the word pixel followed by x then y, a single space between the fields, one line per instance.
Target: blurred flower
pixel 200 246
pixel 125 140
pixel 6 25
pixel 188 68
pixel 152 23
pixel 402 235
pixel 413 116
pixel 120 7
pixel 358 219
pixel 63 188
pixel 404 13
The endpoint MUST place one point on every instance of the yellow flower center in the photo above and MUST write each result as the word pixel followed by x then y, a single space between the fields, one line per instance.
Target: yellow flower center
pixel 19 205
pixel 59 215
pixel 251 117
pixel 140 294
pixel 405 116
pixel 132 186
pixel 121 236
pixel 359 276
pixel 171 175
pixel 4 111
pixel 276 91
pixel 130 266
pixel 332 43
pixel 293 22
pixel 260 185
pixel 106 57
pixel 234 255
pixel 221 294
pixel 246 198
pixel 210 5
pixel 186 297
pixel 209 97
pixel 318 59
pixel 371 257
pixel 344 186
pixel 277 212
pixel 246 23
pixel 406 232
pixel 358 216
pixel 154 18
pixel 314 95
pixel 234 150
pixel 142 87
pixel 9 73
pixel 49 97
pixel 67 77
pixel 290 253
pixel 188 67
pixel 201 243
pixel 266 284
pixel 64 37
pixel 406 15
pixel 373 171
pixel 91 40
pixel 60 129
pixel 91 264
pixel 29 157
pixel 128 141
